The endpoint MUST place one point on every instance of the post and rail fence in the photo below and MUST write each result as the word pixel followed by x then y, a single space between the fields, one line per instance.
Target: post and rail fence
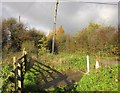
pixel 19 70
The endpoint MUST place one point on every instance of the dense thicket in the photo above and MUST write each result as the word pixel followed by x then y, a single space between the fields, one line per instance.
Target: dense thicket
pixel 94 39
pixel 15 34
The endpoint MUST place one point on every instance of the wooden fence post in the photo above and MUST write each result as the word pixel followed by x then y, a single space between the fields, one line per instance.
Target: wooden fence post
pixel 20 69
pixel 22 77
pixel 88 65
pixel 25 59
pixel 15 69
pixel 19 78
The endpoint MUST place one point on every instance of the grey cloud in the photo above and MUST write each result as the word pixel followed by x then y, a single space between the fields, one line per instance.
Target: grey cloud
pixel 59 0
pixel 72 15
pixel 78 17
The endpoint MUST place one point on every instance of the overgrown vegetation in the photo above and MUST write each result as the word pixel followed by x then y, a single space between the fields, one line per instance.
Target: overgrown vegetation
pixel 94 39
pixel 105 79
pixel 70 54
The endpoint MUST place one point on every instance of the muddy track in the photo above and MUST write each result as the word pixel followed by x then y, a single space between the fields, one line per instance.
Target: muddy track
pixel 49 77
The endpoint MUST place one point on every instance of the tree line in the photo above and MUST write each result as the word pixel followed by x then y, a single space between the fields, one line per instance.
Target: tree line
pixel 93 39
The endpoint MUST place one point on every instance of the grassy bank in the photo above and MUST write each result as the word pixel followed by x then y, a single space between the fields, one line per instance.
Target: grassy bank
pixel 105 79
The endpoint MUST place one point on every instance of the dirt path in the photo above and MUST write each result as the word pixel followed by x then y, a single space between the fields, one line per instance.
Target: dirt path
pixel 72 76
pixel 49 77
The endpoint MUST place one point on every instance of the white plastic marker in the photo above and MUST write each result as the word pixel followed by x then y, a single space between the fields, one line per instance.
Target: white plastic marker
pixel 88 67
pixel 97 64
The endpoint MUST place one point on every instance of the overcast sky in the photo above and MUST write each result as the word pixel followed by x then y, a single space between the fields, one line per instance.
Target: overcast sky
pixel 72 15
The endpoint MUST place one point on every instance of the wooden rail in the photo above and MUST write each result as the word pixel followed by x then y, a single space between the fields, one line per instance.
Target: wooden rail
pixel 19 70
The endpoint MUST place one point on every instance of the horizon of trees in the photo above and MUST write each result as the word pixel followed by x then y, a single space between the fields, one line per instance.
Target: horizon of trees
pixel 93 39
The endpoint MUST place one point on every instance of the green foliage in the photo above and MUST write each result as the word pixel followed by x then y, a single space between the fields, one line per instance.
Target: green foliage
pixel 64 89
pixel 18 35
pixel 42 46
pixel 105 79
pixel 15 30
pixel 35 36
pixel 30 85
pixel 29 79
pixel 29 46
pixel 6 70
pixel 94 39
pixel 66 61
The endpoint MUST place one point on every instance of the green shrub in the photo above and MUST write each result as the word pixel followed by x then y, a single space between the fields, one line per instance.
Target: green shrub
pixel 29 79
pixel 6 70
pixel 28 45
pixel 102 80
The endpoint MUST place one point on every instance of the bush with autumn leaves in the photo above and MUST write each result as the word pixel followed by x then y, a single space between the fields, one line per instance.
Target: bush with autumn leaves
pixel 94 39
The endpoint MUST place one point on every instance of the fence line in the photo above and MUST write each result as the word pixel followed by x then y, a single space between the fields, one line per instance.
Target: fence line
pixel 19 70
